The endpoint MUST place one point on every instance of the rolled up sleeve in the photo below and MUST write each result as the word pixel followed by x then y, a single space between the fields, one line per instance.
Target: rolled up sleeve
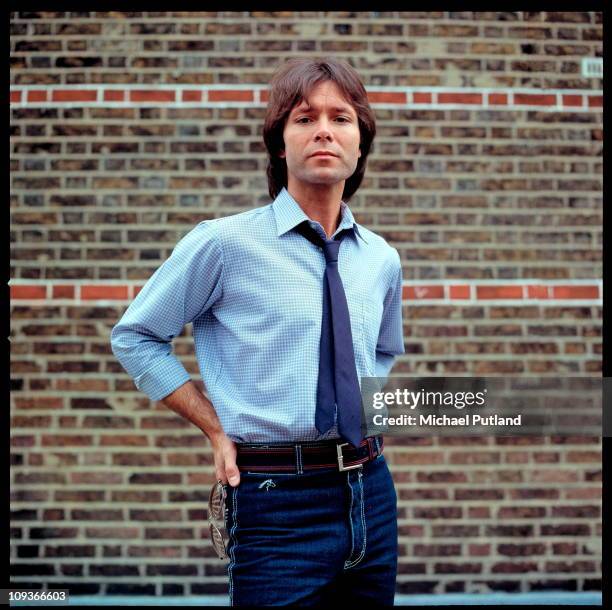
pixel 187 284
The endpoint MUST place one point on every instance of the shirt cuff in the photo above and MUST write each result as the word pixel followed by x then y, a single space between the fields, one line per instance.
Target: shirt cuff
pixel 384 364
pixel 165 376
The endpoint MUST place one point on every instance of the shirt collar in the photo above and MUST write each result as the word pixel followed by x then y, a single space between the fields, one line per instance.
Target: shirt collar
pixel 289 214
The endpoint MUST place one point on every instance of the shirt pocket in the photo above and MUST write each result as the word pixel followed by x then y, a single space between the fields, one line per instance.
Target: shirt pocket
pixel 371 317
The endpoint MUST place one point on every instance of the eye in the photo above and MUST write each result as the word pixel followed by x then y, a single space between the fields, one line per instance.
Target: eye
pixel 343 119
pixel 302 119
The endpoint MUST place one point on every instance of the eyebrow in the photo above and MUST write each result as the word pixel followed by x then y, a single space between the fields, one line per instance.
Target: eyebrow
pixel 308 108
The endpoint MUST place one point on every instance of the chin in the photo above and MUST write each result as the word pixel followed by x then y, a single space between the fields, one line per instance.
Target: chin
pixel 325 178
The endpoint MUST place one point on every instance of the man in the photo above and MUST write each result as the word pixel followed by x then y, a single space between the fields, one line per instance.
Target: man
pixel 291 303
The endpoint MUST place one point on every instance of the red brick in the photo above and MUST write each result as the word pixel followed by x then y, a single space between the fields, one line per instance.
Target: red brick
pixel 583 456
pixel 69 95
pixel 39 402
pixel 152 95
pixel 231 95
pixel 479 550
pixel 573 100
pixel 15 97
pixel 63 292
pixel 595 101
pixel 28 292
pixel 584 493
pixel 387 97
pixel 538 292
pixel 114 95
pixel 104 292
pixel 535 99
pixel 192 96
pixel 89 478
pixel 425 292
pixel 576 292
pixel 553 476
pixel 65 440
pixel 499 292
pixel 263 95
pixel 124 440
pixel 459 292
pixel 479 512
pixel 113 532
pixel 500 99
pixel 421 98
pixel 22 440
pixel 460 98
pixel 37 95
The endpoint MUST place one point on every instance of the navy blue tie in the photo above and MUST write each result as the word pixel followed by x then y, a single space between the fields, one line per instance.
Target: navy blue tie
pixel 338 383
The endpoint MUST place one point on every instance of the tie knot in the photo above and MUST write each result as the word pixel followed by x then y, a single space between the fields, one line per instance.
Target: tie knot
pixel 330 249
pixel 330 246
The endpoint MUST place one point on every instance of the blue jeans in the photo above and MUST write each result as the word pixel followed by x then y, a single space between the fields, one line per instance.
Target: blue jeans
pixel 321 537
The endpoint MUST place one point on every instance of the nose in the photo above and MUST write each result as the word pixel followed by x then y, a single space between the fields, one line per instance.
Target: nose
pixel 323 131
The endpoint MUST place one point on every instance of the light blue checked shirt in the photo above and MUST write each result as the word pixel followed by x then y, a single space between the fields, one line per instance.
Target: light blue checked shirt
pixel 252 287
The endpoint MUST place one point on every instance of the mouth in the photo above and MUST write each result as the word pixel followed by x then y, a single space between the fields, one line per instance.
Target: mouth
pixel 323 154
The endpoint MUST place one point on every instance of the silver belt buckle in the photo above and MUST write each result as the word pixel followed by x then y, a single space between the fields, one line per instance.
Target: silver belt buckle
pixel 341 465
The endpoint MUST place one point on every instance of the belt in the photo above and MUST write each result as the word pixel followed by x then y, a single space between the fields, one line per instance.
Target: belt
pixel 307 455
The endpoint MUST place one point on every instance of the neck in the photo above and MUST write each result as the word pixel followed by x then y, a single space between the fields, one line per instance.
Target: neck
pixel 320 202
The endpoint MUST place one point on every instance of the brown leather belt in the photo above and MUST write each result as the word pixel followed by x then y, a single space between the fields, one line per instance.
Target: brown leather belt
pixel 307 455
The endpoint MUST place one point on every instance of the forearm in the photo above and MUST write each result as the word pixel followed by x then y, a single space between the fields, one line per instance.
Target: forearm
pixel 191 404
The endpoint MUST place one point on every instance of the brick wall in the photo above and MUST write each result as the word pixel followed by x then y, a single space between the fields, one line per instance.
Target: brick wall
pixel 129 128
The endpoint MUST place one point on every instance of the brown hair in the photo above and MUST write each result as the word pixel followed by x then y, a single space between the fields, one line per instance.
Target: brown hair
pixel 291 84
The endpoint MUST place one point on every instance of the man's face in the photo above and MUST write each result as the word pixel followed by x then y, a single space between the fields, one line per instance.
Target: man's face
pixel 325 122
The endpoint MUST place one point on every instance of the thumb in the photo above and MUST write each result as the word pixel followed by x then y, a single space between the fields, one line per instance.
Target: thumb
pixel 232 472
